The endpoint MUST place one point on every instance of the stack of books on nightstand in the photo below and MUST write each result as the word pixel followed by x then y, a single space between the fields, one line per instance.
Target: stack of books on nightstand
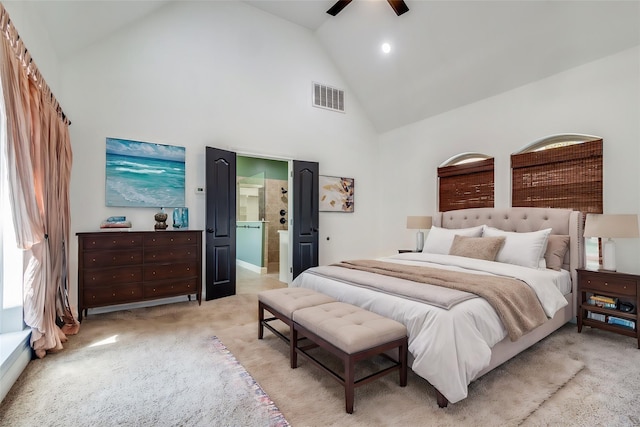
pixel 603 302
pixel 597 316
pixel 621 322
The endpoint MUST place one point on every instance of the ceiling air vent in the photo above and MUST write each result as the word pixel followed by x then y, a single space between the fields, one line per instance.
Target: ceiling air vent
pixel 328 97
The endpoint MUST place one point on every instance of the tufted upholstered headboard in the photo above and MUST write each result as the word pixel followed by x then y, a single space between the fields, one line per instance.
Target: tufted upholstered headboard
pixel 561 221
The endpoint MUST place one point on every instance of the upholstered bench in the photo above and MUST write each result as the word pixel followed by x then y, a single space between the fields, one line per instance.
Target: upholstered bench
pixel 352 334
pixel 281 303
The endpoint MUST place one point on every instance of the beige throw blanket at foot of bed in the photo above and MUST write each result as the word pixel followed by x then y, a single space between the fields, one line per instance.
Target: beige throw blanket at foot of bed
pixel 514 301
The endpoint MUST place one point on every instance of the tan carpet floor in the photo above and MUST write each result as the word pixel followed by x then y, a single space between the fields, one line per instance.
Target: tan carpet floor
pixel 568 379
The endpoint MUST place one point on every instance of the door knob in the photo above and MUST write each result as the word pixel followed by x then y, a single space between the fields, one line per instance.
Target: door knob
pixel 210 230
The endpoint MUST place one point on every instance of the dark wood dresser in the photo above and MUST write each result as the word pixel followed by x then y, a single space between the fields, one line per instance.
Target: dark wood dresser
pixel 117 267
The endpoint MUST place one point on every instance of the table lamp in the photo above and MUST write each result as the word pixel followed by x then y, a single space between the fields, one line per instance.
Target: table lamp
pixel 419 223
pixel 601 225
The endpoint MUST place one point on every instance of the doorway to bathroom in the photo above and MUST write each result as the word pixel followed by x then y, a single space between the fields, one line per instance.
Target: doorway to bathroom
pixel 262 215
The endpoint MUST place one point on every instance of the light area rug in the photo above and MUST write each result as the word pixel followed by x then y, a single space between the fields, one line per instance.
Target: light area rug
pixel 310 397
pixel 135 370
pixel 164 371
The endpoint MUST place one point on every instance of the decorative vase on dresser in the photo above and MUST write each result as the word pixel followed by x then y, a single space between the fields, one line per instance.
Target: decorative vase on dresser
pixel 133 266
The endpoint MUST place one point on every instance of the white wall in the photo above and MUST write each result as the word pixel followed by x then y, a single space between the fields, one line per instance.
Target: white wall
pixel 219 74
pixel 600 98
pixel 36 39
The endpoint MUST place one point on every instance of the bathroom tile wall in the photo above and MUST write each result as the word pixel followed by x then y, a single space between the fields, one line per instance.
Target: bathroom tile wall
pixel 275 202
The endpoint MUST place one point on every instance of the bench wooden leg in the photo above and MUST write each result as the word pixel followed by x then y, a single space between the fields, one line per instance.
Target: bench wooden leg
pixel 402 356
pixel 260 320
pixel 293 344
pixel 349 383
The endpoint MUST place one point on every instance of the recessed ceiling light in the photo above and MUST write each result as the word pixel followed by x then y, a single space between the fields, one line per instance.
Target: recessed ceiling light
pixel 386 47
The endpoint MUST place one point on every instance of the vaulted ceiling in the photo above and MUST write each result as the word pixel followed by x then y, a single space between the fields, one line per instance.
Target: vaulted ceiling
pixel 444 54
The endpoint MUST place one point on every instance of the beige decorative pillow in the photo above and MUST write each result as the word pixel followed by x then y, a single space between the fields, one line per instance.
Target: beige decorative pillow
pixel 557 246
pixel 476 247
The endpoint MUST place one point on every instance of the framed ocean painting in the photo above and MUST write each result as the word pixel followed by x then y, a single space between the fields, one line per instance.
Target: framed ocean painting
pixel 144 174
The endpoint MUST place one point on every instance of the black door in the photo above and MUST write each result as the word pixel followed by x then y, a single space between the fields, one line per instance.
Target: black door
pixel 220 223
pixel 305 216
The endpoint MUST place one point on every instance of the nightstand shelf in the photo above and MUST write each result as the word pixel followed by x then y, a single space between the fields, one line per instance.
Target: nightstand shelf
pixel 623 286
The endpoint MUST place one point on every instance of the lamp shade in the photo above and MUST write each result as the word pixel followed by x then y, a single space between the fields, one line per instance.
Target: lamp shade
pixel 419 222
pixel 601 225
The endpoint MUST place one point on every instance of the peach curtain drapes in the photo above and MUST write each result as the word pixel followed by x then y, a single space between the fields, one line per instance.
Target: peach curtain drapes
pixel 39 158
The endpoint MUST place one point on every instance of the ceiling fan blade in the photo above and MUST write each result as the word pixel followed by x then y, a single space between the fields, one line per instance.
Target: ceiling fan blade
pixel 399 6
pixel 340 4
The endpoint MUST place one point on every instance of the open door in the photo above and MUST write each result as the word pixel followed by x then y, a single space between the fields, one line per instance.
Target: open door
pixel 306 197
pixel 220 263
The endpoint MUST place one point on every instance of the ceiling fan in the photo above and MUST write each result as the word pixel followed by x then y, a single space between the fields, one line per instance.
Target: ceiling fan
pixel 398 6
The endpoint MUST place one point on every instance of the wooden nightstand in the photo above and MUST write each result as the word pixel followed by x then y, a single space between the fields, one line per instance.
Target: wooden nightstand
pixel 622 286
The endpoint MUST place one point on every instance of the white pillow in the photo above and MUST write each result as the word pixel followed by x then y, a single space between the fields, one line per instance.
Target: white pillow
pixel 439 239
pixel 526 249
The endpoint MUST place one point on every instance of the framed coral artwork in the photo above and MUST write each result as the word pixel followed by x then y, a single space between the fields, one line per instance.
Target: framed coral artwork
pixel 336 194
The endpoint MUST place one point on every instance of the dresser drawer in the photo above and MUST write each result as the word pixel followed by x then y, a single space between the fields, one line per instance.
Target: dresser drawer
pixel 171 254
pixel 170 271
pixel 606 285
pixel 107 295
pixel 169 288
pixel 111 241
pixel 170 238
pixel 93 259
pixel 111 276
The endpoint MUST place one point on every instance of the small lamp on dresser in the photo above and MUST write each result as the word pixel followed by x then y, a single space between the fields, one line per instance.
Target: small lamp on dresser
pixel 419 223
pixel 618 226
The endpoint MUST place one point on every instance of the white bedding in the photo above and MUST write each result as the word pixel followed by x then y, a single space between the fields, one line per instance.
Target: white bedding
pixel 448 347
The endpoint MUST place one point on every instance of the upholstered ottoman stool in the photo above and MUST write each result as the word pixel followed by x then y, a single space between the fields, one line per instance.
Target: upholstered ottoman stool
pixel 352 334
pixel 282 303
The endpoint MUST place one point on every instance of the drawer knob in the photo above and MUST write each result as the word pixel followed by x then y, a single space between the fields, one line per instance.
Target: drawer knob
pixel 114 295
pixel 606 284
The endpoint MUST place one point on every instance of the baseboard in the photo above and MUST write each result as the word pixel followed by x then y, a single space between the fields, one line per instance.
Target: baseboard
pixel 251 267
pixel 14 358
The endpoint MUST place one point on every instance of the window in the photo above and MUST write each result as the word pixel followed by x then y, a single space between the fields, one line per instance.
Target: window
pixel 11 319
pixel 466 181
pixel 561 171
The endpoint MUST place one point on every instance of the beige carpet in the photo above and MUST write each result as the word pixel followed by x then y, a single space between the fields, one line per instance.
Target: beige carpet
pixel 568 379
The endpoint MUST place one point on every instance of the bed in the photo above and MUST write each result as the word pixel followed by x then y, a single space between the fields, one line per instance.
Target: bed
pixel 455 338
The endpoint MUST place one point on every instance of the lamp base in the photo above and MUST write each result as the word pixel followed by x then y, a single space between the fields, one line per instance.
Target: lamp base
pixel 609 255
pixel 419 241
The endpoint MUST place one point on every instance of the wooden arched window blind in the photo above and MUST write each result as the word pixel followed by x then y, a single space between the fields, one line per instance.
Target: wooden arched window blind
pixel 564 177
pixel 466 185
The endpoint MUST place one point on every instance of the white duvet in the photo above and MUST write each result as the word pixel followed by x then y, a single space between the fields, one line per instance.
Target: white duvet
pixel 448 347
